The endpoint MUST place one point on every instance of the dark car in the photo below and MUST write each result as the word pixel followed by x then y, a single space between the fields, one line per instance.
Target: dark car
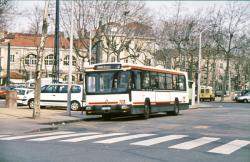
pixel 4 91
pixel 218 93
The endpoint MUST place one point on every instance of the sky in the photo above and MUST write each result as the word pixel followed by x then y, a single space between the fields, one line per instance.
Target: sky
pixel 157 7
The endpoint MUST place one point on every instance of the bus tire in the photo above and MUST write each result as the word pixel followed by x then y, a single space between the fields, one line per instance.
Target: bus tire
pixel 74 106
pixel 146 111
pixel 31 103
pixel 176 108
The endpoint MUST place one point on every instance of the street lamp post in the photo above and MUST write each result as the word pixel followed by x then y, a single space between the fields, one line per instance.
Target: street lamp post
pixel 199 70
pixel 70 63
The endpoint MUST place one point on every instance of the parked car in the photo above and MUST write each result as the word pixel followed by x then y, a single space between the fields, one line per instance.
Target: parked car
pixel 55 95
pixel 4 91
pixel 245 98
pixel 22 95
pixel 236 95
pixel 218 93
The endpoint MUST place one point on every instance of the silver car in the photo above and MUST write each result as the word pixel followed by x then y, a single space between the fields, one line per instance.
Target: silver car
pixel 245 98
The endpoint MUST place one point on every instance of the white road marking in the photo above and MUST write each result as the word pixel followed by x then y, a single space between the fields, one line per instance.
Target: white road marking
pixel 124 138
pixel 230 147
pixel 92 137
pixel 194 143
pixel 61 136
pixel 4 135
pixel 158 140
pixel 35 135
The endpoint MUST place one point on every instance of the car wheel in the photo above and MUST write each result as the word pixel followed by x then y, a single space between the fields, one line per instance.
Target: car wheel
pixel 245 101
pixel 74 106
pixel 31 103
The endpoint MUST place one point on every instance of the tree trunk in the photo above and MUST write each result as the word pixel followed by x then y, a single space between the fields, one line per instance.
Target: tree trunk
pixel 36 110
pixel 225 78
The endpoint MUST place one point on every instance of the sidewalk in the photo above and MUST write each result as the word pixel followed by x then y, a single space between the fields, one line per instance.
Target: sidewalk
pixel 201 105
pixel 226 99
pixel 20 120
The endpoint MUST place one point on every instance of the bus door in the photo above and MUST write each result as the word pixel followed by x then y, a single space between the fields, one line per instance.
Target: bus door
pixel 162 96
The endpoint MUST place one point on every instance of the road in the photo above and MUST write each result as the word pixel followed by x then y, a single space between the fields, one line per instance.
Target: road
pixel 219 133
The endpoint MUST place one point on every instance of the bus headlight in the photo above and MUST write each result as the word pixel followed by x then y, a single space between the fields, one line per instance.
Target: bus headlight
pixel 124 107
pixel 88 108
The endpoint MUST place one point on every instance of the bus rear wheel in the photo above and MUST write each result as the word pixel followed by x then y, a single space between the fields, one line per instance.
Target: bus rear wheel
pixel 146 111
pixel 176 109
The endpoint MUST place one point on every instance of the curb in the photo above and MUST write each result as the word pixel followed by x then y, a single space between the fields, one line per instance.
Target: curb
pixel 42 129
pixel 61 122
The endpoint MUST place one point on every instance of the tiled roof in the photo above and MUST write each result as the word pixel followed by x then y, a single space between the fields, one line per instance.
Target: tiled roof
pixel 32 40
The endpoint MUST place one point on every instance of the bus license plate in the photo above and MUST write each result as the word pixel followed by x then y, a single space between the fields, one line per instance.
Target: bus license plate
pixel 106 108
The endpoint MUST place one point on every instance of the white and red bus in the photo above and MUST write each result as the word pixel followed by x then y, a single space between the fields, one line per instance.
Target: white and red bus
pixel 115 89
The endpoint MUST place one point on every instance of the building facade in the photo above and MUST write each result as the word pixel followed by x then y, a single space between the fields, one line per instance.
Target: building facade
pixel 23 57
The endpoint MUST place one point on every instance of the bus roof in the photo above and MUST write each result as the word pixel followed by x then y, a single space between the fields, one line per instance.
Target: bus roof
pixel 126 66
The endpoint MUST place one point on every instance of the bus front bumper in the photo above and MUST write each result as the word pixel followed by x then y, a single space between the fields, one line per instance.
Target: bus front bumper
pixel 108 109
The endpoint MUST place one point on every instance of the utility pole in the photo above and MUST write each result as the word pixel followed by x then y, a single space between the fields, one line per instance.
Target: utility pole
pixel 56 47
pixel 70 63
pixel 8 67
pixel 90 47
pixel 0 66
pixel 36 110
pixel 99 44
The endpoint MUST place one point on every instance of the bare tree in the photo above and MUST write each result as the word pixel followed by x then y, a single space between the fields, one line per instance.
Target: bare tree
pixel 107 20
pixel 228 26
pixel 6 8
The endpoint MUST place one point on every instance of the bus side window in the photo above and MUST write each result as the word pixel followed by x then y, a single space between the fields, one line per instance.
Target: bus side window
pixel 136 80
pixel 169 81
pixel 181 82
pixel 162 81
pixel 175 83
pixel 154 80
pixel 145 80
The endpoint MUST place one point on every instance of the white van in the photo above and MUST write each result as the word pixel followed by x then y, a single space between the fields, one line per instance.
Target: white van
pixel 44 81
pixel 55 95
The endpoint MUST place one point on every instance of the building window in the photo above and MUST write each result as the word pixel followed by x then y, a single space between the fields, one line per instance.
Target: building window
pixel 113 59
pixel 48 60
pixel 126 61
pixel 30 59
pixel 66 60
pixel 12 58
pixel 66 78
pixel 221 65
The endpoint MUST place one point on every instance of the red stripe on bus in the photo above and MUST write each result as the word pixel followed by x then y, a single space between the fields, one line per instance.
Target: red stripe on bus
pixel 155 103
pixel 98 103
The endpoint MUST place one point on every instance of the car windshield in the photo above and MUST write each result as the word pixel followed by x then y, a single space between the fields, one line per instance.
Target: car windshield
pixel 20 91
pixel 108 82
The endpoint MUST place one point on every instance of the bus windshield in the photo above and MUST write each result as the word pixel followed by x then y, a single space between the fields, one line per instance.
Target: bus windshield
pixel 107 82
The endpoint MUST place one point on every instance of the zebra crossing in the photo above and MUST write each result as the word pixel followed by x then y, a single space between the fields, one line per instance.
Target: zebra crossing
pixel 111 138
